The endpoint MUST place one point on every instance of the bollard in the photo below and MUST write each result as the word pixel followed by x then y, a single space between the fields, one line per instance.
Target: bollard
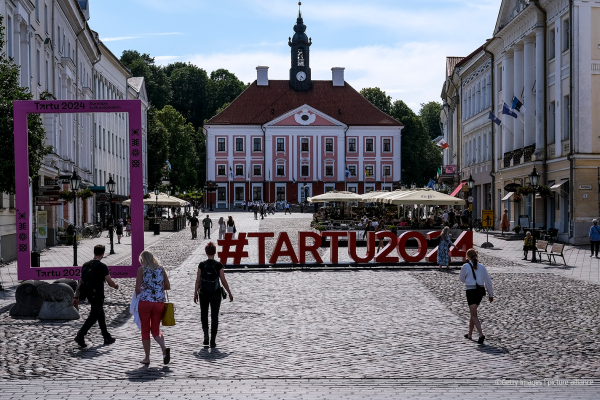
pixel 29 301
pixel 58 302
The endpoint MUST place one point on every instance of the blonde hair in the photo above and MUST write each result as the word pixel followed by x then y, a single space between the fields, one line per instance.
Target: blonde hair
pixel 445 231
pixel 147 259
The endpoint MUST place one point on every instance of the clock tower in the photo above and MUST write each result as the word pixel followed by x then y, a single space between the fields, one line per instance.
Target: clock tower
pixel 300 78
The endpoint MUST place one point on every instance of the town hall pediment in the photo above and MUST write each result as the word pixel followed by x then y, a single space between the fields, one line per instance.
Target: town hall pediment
pixel 305 116
pixel 509 9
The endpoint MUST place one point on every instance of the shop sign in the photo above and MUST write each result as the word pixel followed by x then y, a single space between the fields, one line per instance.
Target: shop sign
pixel 585 187
pixel 450 169
pixel 42 224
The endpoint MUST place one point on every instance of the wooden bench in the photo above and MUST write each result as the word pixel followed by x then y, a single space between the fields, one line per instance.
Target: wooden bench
pixel 541 246
pixel 556 250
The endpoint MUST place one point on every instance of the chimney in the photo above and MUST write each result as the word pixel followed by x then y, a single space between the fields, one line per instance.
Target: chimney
pixel 337 76
pixel 262 76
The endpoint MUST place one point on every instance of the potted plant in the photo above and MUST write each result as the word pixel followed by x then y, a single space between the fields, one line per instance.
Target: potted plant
pixel 85 194
pixel 320 227
pixel 545 192
pixel 66 195
pixel 393 229
pixel 524 191
pixel 517 229
pixel 517 198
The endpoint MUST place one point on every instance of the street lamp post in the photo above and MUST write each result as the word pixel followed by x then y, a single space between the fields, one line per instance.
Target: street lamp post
pixel 470 184
pixel 74 182
pixel 110 186
pixel 156 220
pixel 534 180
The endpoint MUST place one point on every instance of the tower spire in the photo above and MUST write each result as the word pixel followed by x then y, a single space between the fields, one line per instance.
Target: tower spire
pixel 299 10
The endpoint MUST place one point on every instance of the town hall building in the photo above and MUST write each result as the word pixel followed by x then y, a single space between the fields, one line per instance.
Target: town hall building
pixel 285 140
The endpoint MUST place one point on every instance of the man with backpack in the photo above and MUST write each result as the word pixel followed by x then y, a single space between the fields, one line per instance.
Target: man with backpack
pixel 209 291
pixel 91 286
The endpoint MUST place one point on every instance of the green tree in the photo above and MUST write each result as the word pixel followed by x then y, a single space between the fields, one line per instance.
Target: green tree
pixel 157 81
pixel 10 90
pixel 181 147
pixel 158 149
pixel 378 98
pixel 430 115
pixel 225 87
pixel 191 88
pixel 420 156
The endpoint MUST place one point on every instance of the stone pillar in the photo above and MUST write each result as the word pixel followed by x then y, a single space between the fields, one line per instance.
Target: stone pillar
pixel 518 89
pixel 507 93
pixel 529 98
pixel 540 87
pixel 581 98
pixel 557 92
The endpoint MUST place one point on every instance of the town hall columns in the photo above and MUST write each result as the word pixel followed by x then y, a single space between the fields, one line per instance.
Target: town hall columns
pixel 518 89
pixel 529 97
pixel 540 84
pixel 507 93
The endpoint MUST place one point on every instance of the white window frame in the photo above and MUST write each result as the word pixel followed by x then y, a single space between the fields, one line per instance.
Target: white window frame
pixel 330 187
pixel 281 185
pixel 383 144
pixel 235 187
pixel 225 139
pixel 332 165
pixel 367 187
pixel 383 170
pixel 224 186
pixel 261 145
pixel 372 171
pixel 352 186
pixel 224 167
pixel 262 195
pixel 373 139
pixel 308 142
pixel 277 145
pixel 332 151
pixel 355 145
pixel 305 165
pixel 283 165
pixel 355 170
pixel 235 175
pixel 235 139
pixel 257 165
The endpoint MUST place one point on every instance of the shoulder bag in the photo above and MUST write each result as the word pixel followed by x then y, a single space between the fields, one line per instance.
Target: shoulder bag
pixel 168 318
pixel 480 289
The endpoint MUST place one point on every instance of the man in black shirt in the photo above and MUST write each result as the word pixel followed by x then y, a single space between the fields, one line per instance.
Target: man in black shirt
pixel 451 216
pixel 207 222
pixel 194 222
pixel 93 275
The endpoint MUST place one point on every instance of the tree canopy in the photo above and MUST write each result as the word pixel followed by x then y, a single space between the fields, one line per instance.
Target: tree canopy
pixel 430 115
pixel 420 156
pixel 10 90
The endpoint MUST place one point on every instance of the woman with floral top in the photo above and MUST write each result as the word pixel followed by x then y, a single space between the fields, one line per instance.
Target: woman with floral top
pixel 443 256
pixel 150 285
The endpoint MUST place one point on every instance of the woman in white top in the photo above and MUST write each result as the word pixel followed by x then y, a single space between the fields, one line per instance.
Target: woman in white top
pixel 476 280
pixel 231 226
pixel 222 228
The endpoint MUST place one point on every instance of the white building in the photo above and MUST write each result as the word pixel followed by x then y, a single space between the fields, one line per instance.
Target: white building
pixel 58 53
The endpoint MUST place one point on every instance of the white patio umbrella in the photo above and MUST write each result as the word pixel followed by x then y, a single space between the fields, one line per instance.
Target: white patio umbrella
pixel 163 200
pixel 427 197
pixel 335 196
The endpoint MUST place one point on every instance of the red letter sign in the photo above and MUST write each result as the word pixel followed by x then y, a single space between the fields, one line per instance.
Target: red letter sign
pixel 382 256
pixel 370 247
pixel 333 244
pixel 432 256
pixel 278 252
pixel 402 246
pixel 261 243
pixel 462 244
pixel 304 247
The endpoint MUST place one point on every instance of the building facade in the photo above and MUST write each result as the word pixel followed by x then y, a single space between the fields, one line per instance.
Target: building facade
pixel 284 140
pixel 59 54
pixel 545 54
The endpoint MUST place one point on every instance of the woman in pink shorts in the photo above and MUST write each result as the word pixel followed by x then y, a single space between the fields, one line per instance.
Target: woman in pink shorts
pixel 150 286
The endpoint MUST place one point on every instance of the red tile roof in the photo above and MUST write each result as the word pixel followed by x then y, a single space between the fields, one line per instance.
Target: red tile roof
pixel 258 105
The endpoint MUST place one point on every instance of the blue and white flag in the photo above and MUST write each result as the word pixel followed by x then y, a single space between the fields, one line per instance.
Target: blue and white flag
pixel 230 172
pixel 518 106
pixel 507 111
pixel 348 173
pixel 430 184
pixel 495 119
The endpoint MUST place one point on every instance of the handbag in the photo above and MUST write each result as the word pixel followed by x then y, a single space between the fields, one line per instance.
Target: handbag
pixel 480 289
pixel 168 318
pixel 234 229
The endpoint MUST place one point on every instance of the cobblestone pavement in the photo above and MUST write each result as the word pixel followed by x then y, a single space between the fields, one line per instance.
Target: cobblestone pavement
pixel 307 334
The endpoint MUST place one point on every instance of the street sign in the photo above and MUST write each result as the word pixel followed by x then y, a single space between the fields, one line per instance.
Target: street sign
pixel 98 189
pixel 47 198
pixel 50 182
pixel 50 187
pixel 512 187
pixel 487 218
pixel 471 207
pixel 471 199
pixel 49 203
pixel 101 198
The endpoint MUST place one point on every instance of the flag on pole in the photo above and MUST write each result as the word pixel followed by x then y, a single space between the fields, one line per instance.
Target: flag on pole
pixel 430 184
pixel 507 111
pixel 518 106
pixel 230 172
pixel 443 144
pixel 495 119
pixel 439 172
pixel 367 173
pixel 347 172
pixel 269 174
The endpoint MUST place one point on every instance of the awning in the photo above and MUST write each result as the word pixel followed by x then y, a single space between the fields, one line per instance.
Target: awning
pixel 458 189
pixel 558 185
pixel 508 196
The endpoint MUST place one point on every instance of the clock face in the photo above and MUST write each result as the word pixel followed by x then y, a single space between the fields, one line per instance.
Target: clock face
pixel 301 76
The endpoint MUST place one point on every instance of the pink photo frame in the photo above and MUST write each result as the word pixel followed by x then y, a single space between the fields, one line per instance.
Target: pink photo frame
pixel 23 205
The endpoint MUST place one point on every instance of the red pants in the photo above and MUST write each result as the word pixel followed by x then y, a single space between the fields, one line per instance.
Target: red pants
pixel 151 314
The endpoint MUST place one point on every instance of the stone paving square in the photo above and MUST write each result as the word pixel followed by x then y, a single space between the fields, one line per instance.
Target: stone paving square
pixel 382 334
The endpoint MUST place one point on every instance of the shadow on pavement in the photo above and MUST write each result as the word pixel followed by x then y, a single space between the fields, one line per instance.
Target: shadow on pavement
pixel 497 351
pixel 147 373
pixel 210 355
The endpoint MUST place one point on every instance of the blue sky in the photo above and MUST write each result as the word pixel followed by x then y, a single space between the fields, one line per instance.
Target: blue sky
pixel 399 46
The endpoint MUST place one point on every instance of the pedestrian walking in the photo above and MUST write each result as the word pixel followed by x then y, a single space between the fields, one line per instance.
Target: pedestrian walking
pixel 443 256
pixel 262 211
pixel 150 285
pixel 194 222
pixel 231 226
pixel 504 223
pixel 119 231
pixel 445 217
pixel 379 227
pixel 208 290
pixel 527 244
pixel 222 228
pixel 91 286
pixel 255 209
pixel 451 217
pixel 476 280
pixel 287 208
pixel 594 238
pixel 243 205
pixel 207 223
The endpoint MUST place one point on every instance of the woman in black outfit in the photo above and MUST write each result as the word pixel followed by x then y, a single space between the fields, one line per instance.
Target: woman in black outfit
pixel 208 290
pixel 119 230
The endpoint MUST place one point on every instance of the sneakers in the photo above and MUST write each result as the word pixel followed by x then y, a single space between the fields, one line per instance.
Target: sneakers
pixel 205 341
pixel 109 340
pixel 213 344
pixel 167 356
pixel 80 341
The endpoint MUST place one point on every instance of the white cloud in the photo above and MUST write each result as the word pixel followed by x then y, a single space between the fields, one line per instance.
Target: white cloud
pixel 413 72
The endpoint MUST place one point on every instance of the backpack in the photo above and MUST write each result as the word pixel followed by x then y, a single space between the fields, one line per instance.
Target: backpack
pixel 86 287
pixel 209 278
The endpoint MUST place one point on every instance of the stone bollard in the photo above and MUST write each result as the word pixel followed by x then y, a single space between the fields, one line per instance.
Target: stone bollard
pixel 58 302
pixel 29 301
pixel 71 282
